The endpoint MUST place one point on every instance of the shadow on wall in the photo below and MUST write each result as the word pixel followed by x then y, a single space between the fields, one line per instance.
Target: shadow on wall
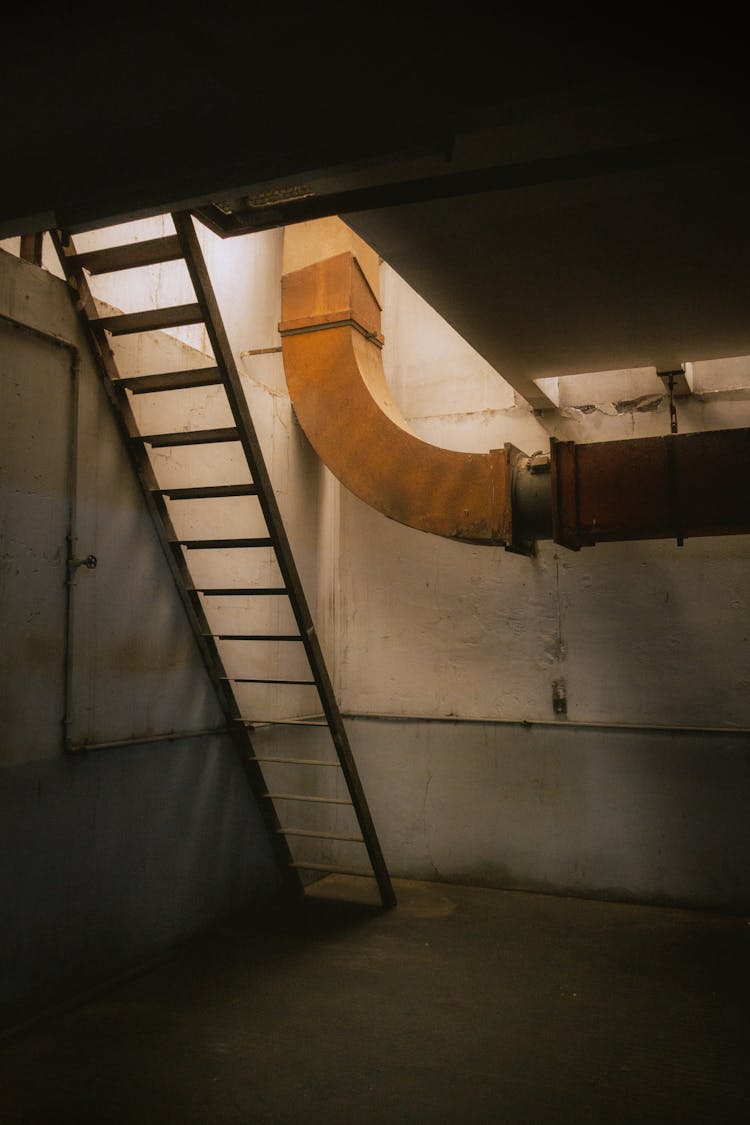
pixel 115 856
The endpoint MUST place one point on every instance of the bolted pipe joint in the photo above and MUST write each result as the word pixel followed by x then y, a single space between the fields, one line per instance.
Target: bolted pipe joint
pixel 530 499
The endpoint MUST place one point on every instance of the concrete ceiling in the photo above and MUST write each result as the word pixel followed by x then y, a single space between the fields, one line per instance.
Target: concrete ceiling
pixel 570 198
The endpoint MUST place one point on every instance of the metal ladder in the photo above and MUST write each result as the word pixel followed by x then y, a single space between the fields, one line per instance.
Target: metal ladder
pixel 185 245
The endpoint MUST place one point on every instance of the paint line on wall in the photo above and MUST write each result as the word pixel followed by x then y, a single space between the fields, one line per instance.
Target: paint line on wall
pixel 560 724
pixel 146 739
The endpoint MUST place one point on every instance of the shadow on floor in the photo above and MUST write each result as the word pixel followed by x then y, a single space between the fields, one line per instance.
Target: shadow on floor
pixel 461 1005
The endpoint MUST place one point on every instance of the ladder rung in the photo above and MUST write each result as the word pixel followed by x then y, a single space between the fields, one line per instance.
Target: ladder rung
pixel 283 722
pixel 208 492
pixel 298 762
pixel 253 680
pixel 150 320
pixel 301 797
pixel 236 591
pixel 255 636
pixel 129 256
pixel 189 437
pixel 216 544
pixel 332 869
pixel 171 380
pixel 319 835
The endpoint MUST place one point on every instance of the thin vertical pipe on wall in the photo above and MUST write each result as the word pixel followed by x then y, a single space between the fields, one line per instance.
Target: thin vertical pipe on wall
pixel 72 540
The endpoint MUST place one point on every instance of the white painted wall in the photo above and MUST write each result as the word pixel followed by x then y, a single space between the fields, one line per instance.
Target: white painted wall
pixel 641 634
pixel 245 273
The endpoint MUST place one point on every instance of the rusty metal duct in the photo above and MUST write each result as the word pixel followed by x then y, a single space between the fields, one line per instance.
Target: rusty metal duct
pixel 331 344
pixel 650 488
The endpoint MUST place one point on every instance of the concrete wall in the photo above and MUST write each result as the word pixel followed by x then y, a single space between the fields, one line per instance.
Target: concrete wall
pixel 107 856
pixel 460 645
pixel 640 634
pixel 245 273
pixel 634 816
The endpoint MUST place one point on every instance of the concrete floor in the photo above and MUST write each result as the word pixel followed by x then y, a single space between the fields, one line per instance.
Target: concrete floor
pixel 460 1006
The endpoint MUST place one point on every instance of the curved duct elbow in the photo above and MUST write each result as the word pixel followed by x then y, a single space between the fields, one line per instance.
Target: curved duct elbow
pixel 331 345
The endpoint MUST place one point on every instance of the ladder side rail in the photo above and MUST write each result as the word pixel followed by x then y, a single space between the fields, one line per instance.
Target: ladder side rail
pixel 224 358
pixel 105 361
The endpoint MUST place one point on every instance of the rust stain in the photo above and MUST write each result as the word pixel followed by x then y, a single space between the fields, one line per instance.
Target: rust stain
pixel 331 342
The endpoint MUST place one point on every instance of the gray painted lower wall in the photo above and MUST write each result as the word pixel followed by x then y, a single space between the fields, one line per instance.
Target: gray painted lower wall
pixel 111 856
pixel 635 816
